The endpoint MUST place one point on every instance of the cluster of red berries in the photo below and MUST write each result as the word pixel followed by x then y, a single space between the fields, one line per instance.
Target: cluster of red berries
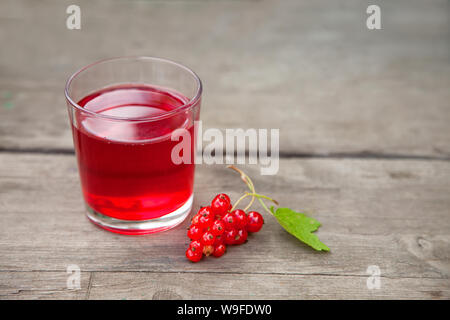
pixel 216 226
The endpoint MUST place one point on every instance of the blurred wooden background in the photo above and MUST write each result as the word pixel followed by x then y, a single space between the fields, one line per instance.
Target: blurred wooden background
pixel 364 119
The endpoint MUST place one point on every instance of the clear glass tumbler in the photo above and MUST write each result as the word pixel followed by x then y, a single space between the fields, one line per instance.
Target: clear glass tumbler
pixel 123 113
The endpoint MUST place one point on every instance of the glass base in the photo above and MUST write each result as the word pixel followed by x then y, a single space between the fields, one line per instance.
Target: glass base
pixel 138 227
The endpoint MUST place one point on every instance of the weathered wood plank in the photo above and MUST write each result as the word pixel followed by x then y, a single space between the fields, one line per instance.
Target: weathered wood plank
pixel 310 68
pixel 41 285
pixel 394 214
pixel 143 285
pixel 174 286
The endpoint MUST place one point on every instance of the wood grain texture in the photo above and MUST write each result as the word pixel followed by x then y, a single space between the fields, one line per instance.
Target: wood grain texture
pixel 41 285
pixel 175 286
pixel 143 285
pixel 312 69
pixel 390 213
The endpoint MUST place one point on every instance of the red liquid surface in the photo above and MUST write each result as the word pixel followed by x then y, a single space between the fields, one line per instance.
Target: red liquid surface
pixel 125 167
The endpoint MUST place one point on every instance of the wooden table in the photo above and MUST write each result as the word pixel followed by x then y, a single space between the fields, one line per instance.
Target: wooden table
pixel 364 118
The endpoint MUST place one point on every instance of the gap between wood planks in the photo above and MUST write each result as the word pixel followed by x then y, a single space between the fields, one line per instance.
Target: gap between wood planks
pixel 88 291
pixel 283 155
pixel 317 274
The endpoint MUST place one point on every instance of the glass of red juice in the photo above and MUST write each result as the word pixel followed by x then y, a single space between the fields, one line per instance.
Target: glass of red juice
pixel 123 113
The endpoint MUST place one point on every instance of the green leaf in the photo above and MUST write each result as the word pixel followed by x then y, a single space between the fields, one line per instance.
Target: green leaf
pixel 300 226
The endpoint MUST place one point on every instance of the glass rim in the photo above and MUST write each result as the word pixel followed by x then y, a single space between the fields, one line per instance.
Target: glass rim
pixel 181 108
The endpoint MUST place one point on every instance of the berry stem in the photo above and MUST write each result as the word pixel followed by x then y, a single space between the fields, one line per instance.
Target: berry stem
pixel 260 197
pixel 253 193
pixel 248 182
pixel 256 195
pixel 239 200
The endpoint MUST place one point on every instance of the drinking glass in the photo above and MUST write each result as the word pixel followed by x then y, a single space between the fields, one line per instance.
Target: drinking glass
pixel 124 113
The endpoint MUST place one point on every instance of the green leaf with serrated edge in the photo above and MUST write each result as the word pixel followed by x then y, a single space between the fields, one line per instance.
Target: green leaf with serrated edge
pixel 300 226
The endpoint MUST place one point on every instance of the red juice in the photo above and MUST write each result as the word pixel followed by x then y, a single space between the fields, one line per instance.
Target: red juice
pixel 125 166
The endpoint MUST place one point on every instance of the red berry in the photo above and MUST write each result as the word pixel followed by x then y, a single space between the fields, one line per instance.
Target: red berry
pixel 193 256
pixel 221 204
pixel 229 220
pixel 219 239
pixel 194 232
pixel 206 222
pixel 224 196
pixel 241 218
pixel 196 246
pixel 205 211
pixel 206 218
pixel 219 250
pixel 255 221
pixel 218 227
pixel 241 236
pixel 208 238
pixel 195 219
pixel 230 236
pixel 208 250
